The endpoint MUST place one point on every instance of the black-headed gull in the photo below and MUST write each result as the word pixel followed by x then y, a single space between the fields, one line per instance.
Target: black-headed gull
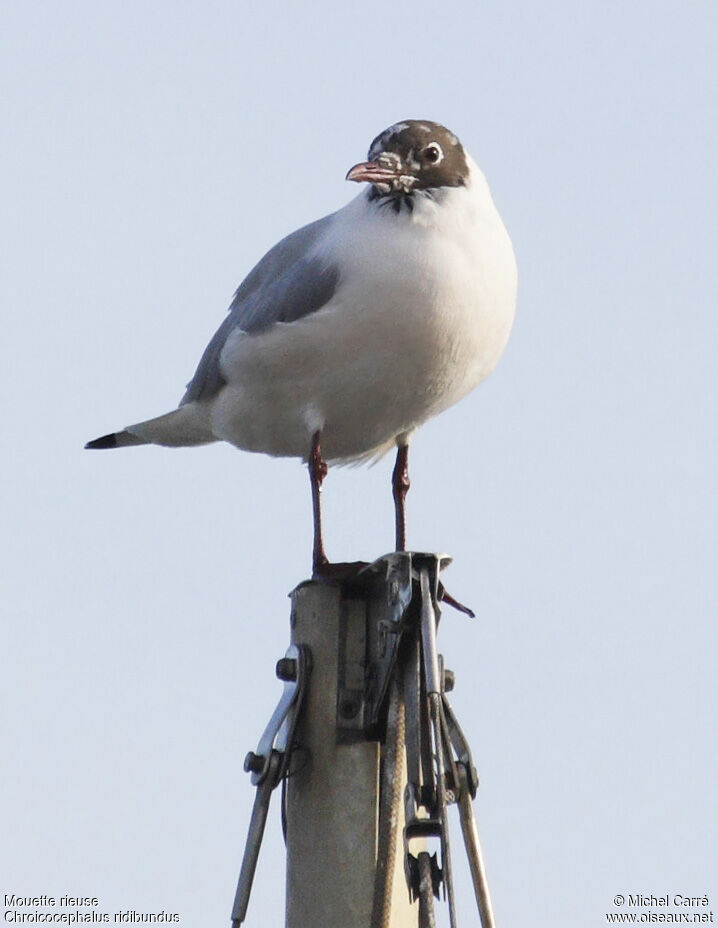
pixel 357 328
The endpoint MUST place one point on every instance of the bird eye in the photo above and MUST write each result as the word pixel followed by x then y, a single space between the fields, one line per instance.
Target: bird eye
pixel 433 153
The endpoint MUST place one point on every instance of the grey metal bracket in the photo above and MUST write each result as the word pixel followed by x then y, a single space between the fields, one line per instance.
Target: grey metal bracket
pixel 268 764
pixel 379 603
pixel 390 633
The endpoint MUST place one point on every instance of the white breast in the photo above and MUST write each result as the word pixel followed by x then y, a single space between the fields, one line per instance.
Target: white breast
pixel 421 315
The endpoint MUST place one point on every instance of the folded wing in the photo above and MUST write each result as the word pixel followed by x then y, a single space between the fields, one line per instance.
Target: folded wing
pixel 290 282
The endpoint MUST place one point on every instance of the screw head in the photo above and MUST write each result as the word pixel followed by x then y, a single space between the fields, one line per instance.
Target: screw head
pixel 253 763
pixel 349 708
pixel 286 668
pixel 449 680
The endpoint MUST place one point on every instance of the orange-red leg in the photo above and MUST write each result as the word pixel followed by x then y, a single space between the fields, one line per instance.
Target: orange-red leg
pixel 400 487
pixel 317 473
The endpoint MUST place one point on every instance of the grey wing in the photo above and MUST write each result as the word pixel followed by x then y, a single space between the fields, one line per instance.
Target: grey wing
pixel 288 283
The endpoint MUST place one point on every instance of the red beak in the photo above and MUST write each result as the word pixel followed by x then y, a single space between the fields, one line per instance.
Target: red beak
pixel 373 172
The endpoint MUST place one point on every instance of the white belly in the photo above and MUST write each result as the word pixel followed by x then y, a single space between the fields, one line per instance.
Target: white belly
pixel 421 316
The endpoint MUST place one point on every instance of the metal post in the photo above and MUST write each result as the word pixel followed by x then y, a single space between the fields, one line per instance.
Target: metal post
pixel 332 792
pixel 369 749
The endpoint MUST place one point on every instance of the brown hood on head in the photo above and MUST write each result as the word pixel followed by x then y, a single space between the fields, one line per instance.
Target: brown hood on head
pixel 414 155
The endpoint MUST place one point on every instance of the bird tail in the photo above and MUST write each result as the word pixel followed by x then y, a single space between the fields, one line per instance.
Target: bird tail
pixel 188 425
pixel 115 440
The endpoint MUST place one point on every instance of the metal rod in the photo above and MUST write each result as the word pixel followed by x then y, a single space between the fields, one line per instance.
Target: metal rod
pixel 390 800
pixel 434 687
pixel 251 854
pixel 435 702
pixel 426 891
pixel 428 635
pixel 473 852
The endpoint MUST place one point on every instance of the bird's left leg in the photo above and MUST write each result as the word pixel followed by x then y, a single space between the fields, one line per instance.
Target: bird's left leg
pixel 317 473
pixel 400 487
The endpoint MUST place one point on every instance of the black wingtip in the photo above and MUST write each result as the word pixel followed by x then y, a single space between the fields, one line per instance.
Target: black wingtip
pixel 106 441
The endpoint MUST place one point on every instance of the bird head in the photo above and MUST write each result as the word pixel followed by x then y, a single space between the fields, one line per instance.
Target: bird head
pixel 413 155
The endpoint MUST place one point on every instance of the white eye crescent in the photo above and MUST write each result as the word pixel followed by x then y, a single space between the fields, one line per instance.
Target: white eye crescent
pixel 433 153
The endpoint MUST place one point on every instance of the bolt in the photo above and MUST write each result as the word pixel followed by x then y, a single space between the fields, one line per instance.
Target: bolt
pixel 253 763
pixel 449 680
pixel 349 708
pixel 287 668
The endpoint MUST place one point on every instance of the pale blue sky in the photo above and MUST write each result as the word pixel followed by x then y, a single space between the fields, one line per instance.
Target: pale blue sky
pixel 152 152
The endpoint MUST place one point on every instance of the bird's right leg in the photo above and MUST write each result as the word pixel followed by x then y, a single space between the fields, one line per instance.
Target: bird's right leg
pixel 400 486
pixel 317 473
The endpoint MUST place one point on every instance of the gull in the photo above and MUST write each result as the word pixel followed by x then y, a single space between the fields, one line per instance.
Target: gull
pixel 354 330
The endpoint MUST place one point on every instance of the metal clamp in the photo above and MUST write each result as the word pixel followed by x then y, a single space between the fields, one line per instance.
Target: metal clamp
pixel 379 603
pixel 268 764
pixel 440 768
